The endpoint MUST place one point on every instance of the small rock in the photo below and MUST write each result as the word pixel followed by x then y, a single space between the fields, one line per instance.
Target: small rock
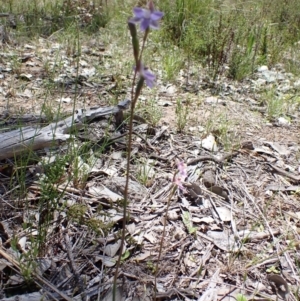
pixel 269 76
pixel 262 68
pixel 201 128
pixel 173 216
pixel 290 75
pixel 284 88
pixel 232 88
pixel 214 100
pixel 297 84
pixel 224 214
pixel 260 82
pixel 88 72
pixel 282 121
pixel 281 149
pixel 64 99
pixel 27 46
pixel 209 178
pixel 171 89
pixel 247 145
pixel 165 103
pixel 210 143
pixel 24 76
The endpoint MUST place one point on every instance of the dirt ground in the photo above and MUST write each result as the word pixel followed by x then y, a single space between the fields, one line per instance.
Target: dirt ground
pixel 233 230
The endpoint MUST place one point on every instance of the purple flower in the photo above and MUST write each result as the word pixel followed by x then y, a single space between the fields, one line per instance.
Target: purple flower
pixel 182 169
pixel 148 76
pixel 180 177
pixel 179 182
pixel 146 17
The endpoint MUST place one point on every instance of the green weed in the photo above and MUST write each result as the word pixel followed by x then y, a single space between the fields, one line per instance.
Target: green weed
pixel 239 35
pixel 145 172
pixel 46 17
pixel 182 114
pixel 279 105
pixel 241 297
pixel 222 127
pixel 172 63
pixel 186 218
pixel 150 111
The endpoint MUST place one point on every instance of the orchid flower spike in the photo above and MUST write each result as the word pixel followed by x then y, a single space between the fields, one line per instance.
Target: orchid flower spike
pixel 181 175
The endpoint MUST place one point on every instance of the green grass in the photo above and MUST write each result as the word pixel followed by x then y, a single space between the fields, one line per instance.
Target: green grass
pixel 279 105
pixel 239 34
pixel 172 63
pixel 182 111
pixel 46 17
pixel 228 37
pixel 150 111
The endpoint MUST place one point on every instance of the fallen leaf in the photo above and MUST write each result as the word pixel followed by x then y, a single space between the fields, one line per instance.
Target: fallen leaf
pixel 142 256
pixel 112 249
pixel 224 214
pixel 106 260
pixel 103 192
pixel 223 241
pixel 280 149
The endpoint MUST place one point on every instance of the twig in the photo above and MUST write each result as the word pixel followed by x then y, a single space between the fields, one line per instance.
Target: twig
pixel 212 158
pixel 258 209
pixel 9 258
pixel 72 264
pixel 284 173
pixel 144 139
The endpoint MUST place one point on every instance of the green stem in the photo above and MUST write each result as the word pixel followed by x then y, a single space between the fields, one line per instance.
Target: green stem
pixel 134 97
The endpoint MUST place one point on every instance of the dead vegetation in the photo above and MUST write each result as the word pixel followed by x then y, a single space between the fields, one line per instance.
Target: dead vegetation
pixel 235 230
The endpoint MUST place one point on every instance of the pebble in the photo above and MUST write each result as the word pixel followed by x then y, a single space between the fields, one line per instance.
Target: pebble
pixel 262 68
pixel 282 121
pixel 209 143
pixel 297 84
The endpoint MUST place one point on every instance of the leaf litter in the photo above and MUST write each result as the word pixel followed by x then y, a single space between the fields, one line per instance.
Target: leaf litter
pixel 237 218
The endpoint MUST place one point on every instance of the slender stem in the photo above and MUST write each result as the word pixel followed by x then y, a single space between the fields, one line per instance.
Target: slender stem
pixel 163 237
pixel 132 92
pixel 134 97
pixel 129 143
pixel 144 42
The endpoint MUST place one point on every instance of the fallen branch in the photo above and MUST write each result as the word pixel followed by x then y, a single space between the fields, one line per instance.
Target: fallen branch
pixel 284 173
pixel 27 139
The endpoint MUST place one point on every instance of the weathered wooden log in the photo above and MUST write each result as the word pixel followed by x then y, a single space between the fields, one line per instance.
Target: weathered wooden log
pixel 30 138
pixel 13 121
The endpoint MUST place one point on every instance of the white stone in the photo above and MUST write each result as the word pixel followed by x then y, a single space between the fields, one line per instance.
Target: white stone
pixel 282 121
pixel 209 143
pixel 262 68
